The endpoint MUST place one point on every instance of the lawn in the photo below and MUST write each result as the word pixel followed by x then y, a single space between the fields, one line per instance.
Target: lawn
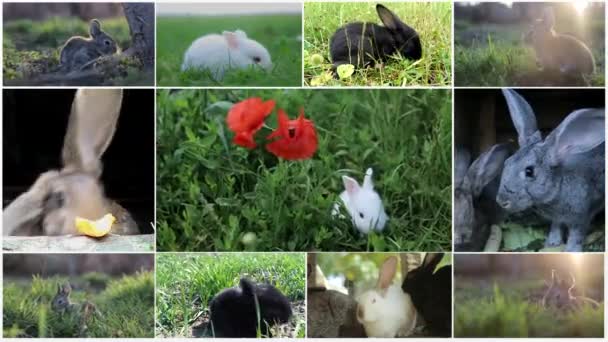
pixel 432 20
pixel 280 34
pixel 186 283
pixel 510 307
pixel 125 305
pixel 31 49
pixel 215 196
pixel 495 55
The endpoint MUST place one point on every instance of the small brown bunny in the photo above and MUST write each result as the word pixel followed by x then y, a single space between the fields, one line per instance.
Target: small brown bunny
pixel 558 52
pixel 62 304
pixel 560 295
pixel 51 205
pixel 79 52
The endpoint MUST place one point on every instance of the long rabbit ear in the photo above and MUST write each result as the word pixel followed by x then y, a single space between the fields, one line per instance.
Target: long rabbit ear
pixel 95 28
pixel 431 260
pixel 387 273
pixel 91 128
pixel 65 288
pixel 462 159
pixel 367 180
pixel 582 131
pixel 350 185
pixel 487 166
pixel 523 118
pixel 389 19
pixel 573 284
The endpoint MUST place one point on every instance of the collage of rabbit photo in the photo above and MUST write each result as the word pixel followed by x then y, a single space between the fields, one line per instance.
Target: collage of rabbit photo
pixel 294 169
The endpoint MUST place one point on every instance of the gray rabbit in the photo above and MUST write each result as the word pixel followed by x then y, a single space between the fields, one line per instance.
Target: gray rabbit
pixel 79 52
pixel 560 295
pixel 561 177
pixel 475 188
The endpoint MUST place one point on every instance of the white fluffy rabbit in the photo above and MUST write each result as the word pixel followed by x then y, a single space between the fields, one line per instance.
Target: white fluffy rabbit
pixel 363 204
pixel 229 50
pixel 387 311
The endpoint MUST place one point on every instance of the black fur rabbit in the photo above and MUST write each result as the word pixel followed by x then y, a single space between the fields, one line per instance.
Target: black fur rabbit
pixel 362 44
pixel 233 310
pixel 431 293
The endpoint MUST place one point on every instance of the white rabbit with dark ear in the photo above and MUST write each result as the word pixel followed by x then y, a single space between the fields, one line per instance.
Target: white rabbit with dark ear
pixel 58 197
pixel 475 186
pixel 556 51
pixel 561 177
pixel 363 204
pixel 219 53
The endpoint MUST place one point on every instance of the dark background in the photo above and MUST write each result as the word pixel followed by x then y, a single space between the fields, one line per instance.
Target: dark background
pixel 35 122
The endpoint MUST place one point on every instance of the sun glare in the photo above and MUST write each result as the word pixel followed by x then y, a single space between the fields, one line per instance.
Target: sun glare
pixel 580 6
pixel 577 259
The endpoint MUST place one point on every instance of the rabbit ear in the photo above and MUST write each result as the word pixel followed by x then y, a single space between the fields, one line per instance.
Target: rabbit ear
pixel 431 260
pixel 65 288
pixel 232 38
pixel 350 185
pixel 523 118
pixel 580 132
pixel 573 284
pixel 91 128
pixel 486 167
pixel 387 273
pixel 462 159
pixel 389 19
pixel 367 180
pixel 95 28
pixel 548 17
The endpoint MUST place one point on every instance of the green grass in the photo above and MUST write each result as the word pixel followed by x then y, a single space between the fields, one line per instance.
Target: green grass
pixel 494 55
pixel 126 306
pixel 184 279
pixel 514 310
pixel 431 20
pixel 278 33
pixel 215 196
pixel 32 48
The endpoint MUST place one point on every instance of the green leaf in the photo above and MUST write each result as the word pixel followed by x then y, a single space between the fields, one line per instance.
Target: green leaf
pixel 516 237
pixel 345 70
pixel 316 59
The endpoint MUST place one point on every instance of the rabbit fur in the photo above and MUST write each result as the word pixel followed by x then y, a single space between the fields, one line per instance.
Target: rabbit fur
pixel 78 52
pixel 561 295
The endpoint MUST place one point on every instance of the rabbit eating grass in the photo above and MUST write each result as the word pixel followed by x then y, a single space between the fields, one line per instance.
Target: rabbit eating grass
pixel 80 52
pixel 219 53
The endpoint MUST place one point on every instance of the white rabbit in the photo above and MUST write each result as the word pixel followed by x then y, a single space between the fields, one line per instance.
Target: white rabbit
pixel 363 204
pixel 387 311
pixel 229 50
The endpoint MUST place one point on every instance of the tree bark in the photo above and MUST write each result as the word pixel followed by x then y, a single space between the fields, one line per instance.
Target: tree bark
pixel 140 17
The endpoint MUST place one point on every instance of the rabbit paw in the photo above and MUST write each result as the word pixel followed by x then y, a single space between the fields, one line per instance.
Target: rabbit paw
pixel 555 236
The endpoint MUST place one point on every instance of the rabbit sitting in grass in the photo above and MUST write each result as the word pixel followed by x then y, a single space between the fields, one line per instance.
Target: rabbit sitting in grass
pixel 558 52
pixel 80 52
pixel 62 304
pixel 560 295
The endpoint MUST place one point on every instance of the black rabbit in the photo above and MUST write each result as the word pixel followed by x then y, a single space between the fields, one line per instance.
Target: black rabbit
pixel 233 310
pixel 361 44
pixel 432 294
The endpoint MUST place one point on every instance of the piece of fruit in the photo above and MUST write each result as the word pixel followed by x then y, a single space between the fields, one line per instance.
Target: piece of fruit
pixel 97 228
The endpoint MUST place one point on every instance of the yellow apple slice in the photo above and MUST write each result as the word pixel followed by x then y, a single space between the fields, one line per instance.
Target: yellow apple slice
pixel 97 228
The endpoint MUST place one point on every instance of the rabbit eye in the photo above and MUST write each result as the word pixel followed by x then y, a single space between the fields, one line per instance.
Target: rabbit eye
pixel 107 42
pixel 55 200
pixel 361 215
pixel 529 171
pixel 257 59
pixel 373 300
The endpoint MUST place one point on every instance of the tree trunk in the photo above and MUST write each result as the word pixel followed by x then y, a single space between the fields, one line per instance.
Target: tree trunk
pixel 140 17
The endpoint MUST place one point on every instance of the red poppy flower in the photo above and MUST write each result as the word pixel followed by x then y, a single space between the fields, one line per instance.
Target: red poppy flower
pixel 296 139
pixel 246 118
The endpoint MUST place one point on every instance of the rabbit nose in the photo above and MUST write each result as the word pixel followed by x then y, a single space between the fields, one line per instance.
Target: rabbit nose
pixel 504 203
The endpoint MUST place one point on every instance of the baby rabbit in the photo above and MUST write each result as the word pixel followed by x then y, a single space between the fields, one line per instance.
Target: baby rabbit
pixel 475 187
pixel 363 44
pixel 386 311
pixel 62 304
pixel 363 204
pixel 58 197
pixel 431 293
pixel 233 311
pixel 79 52
pixel 560 295
pixel 562 177
pixel 221 52
pixel 558 52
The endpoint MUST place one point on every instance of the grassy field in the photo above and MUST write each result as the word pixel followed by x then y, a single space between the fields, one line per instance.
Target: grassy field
pixel 495 55
pixel 433 21
pixel 278 33
pixel 125 305
pixel 186 283
pixel 512 309
pixel 32 48
pixel 215 196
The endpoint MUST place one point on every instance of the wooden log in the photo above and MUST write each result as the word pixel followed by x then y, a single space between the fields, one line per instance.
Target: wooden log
pixel 111 243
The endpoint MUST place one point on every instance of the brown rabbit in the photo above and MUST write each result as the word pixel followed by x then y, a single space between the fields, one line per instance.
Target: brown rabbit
pixel 560 295
pixel 556 51
pixel 51 205
pixel 79 52
pixel 62 304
